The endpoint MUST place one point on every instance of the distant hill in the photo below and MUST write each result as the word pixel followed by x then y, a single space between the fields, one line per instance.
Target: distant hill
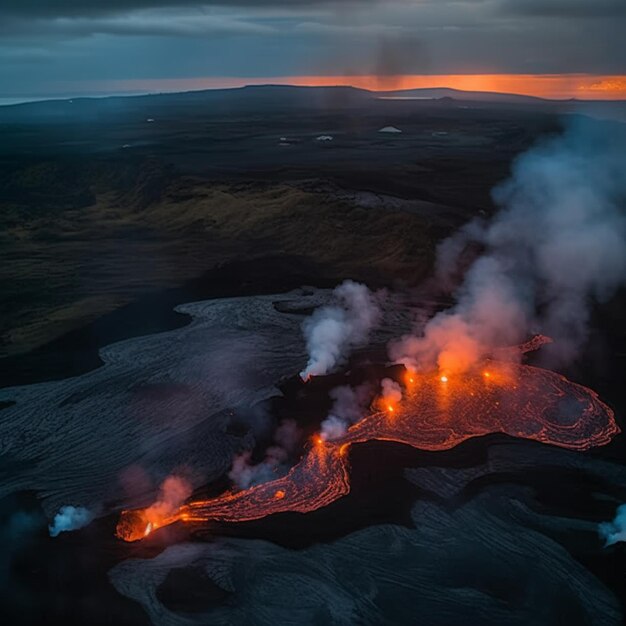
pixel 459 94
pixel 261 98
pixel 273 100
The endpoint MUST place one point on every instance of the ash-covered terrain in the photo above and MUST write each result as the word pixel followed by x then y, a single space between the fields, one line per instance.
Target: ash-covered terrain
pixel 104 200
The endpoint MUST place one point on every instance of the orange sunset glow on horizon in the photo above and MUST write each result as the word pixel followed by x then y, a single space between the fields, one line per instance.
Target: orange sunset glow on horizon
pixel 552 86
pixel 559 86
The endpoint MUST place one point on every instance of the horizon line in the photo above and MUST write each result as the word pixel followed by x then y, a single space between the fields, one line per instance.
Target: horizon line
pixel 557 87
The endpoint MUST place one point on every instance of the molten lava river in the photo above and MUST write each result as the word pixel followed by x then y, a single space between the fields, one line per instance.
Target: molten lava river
pixel 436 413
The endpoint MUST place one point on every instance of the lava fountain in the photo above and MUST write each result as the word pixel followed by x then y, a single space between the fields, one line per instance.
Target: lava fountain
pixel 436 413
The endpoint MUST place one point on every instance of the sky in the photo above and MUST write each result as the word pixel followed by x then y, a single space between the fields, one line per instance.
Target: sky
pixel 551 48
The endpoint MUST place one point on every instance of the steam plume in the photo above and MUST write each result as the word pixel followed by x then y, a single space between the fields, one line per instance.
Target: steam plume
pixel 557 243
pixel 391 392
pixel 246 474
pixel 349 406
pixel 615 531
pixel 173 492
pixel 332 331
pixel 70 518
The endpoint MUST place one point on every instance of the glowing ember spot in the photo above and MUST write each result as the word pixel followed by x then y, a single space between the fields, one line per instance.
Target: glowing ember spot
pixel 544 407
pixel 487 374
pixel 444 379
pixel 132 525
pixel 390 408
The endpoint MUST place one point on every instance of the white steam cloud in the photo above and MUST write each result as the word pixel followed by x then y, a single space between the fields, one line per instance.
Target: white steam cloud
pixel 70 518
pixel 332 331
pixel 615 531
pixel 246 474
pixel 557 243
pixel 349 406
pixel 391 392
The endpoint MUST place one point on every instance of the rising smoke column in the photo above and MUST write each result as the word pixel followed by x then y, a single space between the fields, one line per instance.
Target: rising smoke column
pixel 246 474
pixel 332 331
pixel 349 406
pixel 139 523
pixel 352 404
pixel 557 243
pixel 173 491
pixel 391 394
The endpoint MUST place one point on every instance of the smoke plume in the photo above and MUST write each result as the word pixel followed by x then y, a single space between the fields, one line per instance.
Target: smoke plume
pixel 396 55
pixel 332 331
pixel 615 531
pixel 70 518
pixel 557 244
pixel 173 492
pixel 245 474
pixel 349 406
pixel 391 393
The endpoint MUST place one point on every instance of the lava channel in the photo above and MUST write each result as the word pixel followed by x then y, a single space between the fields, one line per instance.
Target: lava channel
pixel 436 413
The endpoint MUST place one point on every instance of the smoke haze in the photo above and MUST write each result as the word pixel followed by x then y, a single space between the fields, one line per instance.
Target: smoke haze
pixel 70 518
pixel 349 406
pixel 333 331
pixel 173 492
pixel 391 392
pixel 615 531
pixel 557 245
pixel 246 474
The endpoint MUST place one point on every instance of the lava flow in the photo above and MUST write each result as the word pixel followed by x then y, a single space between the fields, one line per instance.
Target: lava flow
pixel 436 413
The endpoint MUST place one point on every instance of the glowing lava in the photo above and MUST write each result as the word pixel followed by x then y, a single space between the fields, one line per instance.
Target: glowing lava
pixel 135 525
pixel 518 400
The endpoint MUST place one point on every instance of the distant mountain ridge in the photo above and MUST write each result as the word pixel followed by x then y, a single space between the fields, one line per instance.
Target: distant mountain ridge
pixel 436 93
pixel 271 98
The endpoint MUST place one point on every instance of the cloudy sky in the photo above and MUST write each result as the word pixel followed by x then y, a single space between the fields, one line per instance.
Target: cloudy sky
pixel 558 47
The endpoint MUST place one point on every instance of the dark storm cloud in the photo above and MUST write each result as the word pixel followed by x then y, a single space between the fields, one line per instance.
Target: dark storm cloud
pixel 44 43
pixel 566 8
pixel 133 25
pixel 82 8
